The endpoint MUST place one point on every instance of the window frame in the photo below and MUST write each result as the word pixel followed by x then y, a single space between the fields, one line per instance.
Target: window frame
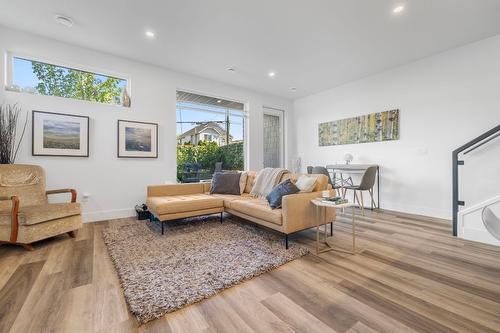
pixel 9 75
pixel 208 137
pixel 245 114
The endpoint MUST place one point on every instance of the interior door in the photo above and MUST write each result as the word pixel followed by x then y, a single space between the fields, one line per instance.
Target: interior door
pixel 273 138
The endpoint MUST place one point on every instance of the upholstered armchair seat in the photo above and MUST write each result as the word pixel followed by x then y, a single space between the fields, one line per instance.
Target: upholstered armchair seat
pixel 26 216
pixel 30 215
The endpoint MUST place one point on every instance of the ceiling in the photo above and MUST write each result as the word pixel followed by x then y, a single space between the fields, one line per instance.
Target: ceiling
pixel 183 96
pixel 312 45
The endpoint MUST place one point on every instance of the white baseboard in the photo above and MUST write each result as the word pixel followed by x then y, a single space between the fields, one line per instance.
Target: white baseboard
pixel 479 235
pixel 419 210
pixel 107 215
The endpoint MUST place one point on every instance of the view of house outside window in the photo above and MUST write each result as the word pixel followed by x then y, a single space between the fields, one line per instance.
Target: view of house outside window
pixel 209 138
pixel 36 77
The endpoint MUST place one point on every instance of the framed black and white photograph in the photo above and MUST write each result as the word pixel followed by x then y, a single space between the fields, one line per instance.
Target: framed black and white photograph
pixel 137 139
pixel 57 134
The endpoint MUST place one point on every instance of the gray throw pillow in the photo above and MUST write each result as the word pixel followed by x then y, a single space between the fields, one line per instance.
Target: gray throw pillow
pixel 276 196
pixel 225 183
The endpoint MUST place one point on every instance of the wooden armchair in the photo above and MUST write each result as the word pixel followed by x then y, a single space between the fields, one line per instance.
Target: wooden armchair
pixel 26 216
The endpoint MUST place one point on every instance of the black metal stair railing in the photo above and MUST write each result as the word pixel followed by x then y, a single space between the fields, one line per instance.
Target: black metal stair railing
pixel 467 148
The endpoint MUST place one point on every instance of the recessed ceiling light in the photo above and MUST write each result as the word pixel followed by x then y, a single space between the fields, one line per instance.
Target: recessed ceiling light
pixel 271 74
pixel 293 89
pixel 398 9
pixel 64 20
pixel 231 69
pixel 150 34
pixel 219 101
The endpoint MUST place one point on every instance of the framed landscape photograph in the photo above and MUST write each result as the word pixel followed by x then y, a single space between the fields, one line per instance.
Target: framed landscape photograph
pixel 57 134
pixel 137 139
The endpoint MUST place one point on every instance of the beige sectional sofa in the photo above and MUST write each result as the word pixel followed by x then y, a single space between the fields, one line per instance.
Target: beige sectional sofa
pixel 176 201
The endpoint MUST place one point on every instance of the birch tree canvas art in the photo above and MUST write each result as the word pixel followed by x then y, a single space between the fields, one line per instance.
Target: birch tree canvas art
pixel 374 127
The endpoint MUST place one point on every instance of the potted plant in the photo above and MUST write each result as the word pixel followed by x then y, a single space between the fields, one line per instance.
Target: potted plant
pixel 9 140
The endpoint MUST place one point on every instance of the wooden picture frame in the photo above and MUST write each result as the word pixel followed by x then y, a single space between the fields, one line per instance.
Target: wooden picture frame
pixel 137 139
pixel 59 134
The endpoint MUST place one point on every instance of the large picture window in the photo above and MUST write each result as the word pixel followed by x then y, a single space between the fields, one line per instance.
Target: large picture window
pixel 35 77
pixel 210 136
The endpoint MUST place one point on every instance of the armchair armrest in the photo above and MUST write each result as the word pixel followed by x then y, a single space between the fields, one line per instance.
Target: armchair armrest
pixel 14 222
pixel 64 190
pixel 299 213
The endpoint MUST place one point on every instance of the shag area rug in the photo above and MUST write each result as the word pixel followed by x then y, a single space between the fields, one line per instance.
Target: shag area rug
pixel 194 260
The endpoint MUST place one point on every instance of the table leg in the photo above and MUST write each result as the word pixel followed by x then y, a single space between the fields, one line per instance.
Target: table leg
pixel 325 233
pixel 353 233
pixel 342 188
pixel 317 229
pixel 378 187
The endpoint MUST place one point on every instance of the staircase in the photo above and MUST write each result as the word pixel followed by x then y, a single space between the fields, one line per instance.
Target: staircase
pixel 479 222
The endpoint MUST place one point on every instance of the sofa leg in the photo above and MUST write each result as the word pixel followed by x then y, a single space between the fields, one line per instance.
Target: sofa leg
pixel 161 227
pixel 72 234
pixel 286 241
pixel 331 228
pixel 221 216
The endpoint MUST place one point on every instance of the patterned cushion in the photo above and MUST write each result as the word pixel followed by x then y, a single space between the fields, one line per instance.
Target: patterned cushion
pixel 25 181
pixel 30 215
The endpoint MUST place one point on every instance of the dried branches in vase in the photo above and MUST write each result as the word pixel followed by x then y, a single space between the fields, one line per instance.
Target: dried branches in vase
pixel 9 143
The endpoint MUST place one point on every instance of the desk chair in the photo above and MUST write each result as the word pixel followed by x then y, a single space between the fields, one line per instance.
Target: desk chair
pixel 367 183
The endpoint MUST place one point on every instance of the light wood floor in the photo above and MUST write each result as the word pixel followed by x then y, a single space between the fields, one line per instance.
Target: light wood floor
pixel 412 276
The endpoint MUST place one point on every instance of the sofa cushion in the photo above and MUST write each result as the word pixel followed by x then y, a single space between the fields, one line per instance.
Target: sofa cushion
pixel 258 208
pixel 29 215
pixel 243 181
pixel 285 188
pixel 175 189
pixel 250 180
pixel 226 183
pixel 182 203
pixel 228 198
pixel 321 180
pixel 305 184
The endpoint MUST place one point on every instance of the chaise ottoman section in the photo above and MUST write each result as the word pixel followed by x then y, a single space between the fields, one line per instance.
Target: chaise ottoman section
pixel 183 203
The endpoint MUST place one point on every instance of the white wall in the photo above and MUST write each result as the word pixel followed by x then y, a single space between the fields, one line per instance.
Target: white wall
pixel 445 101
pixel 117 184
